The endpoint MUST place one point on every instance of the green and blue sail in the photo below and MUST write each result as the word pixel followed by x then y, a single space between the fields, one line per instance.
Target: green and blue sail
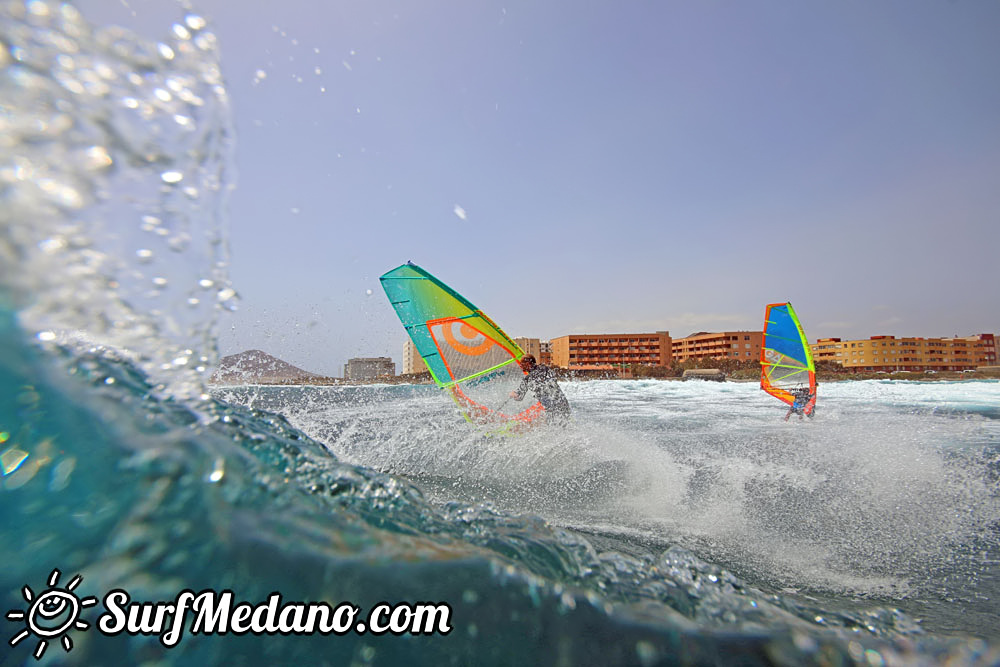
pixel 467 354
pixel 786 363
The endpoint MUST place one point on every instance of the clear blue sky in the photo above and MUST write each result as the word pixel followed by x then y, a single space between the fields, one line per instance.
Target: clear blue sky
pixel 574 166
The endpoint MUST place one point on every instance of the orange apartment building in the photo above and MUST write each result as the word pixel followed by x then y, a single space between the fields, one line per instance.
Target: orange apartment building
pixel 738 345
pixel 541 350
pixel 532 346
pixel 888 353
pixel 545 355
pixel 609 351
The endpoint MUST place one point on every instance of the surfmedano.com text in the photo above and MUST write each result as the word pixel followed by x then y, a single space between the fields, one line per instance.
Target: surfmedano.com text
pixel 213 613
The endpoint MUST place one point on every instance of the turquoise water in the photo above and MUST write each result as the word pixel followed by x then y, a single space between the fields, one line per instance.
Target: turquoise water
pixel 671 523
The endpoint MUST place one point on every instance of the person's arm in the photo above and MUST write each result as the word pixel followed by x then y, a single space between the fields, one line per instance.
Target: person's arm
pixel 521 390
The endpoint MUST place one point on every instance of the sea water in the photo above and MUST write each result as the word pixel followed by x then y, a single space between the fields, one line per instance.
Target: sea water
pixel 669 523
pixel 888 494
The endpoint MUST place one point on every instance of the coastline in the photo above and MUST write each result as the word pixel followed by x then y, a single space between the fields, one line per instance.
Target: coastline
pixel 906 376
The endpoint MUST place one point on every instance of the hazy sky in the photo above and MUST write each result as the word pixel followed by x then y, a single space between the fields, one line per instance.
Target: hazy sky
pixel 574 166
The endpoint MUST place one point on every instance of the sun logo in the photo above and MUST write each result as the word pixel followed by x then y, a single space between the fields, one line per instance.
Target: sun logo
pixel 52 614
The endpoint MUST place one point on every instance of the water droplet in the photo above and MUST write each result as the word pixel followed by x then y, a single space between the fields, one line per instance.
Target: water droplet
pixel 11 459
pixel 61 193
pixel 195 22
pixel 172 176
pixel 97 157
pixel 179 243
pixel 61 473
pixel 874 658
pixel 648 655
pixel 38 8
pixel 218 470
pixel 51 246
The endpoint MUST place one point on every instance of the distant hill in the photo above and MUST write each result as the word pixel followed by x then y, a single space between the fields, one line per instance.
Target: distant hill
pixel 256 366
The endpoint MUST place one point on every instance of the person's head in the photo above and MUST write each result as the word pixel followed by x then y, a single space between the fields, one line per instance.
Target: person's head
pixel 527 362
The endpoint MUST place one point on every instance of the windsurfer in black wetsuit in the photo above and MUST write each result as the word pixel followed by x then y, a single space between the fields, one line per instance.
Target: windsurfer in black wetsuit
pixel 798 406
pixel 540 379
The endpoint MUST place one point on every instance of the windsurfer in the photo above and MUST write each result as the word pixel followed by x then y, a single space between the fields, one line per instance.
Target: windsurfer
pixel 798 406
pixel 540 379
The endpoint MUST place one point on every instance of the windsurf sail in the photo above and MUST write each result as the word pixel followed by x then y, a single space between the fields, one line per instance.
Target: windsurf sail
pixel 467 354
pixel 786 363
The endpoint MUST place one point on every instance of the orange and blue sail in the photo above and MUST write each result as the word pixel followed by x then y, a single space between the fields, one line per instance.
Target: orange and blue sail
pixel 786 363
pixel 467 354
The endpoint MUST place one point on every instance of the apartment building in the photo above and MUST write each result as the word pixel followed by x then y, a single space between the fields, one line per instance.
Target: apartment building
pixel 608 351
pixel 369 368
pixel 541 350
pixel 737 345
pixel 545 352
pixel 532 346
pixel 412 361
pixel 888 353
